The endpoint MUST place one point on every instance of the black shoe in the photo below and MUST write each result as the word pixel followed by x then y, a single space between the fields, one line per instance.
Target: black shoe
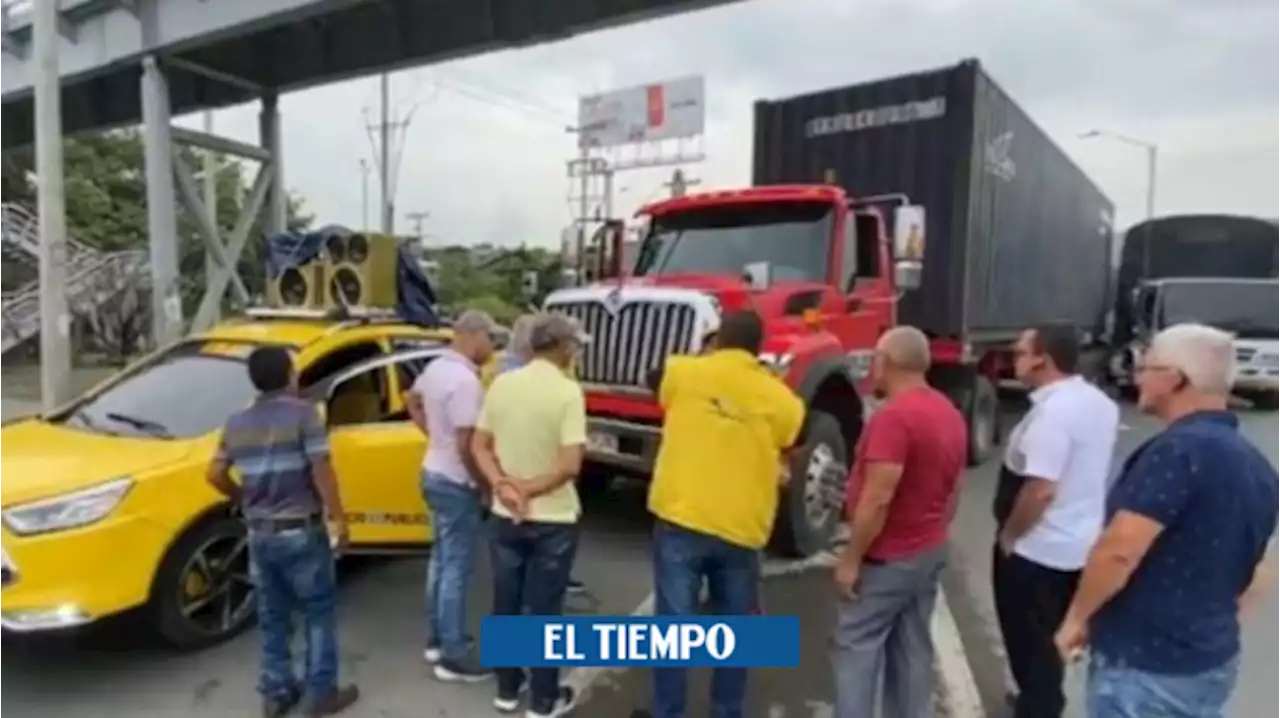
pixel 641 713
pixel 564 703
pixel 509 702
pixel 461 672
pixel 334 703
pixel 575 587
pixel 280 707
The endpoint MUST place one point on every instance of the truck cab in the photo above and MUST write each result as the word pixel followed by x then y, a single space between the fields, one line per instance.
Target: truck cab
pixel 1245 307
pixel 820 269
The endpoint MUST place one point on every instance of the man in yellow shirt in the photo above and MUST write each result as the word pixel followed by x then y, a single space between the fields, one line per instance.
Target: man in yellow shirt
pixel 728 420
pixel 529 443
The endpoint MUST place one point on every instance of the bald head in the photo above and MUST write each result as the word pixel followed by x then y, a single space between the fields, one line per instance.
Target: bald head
pixel 905 349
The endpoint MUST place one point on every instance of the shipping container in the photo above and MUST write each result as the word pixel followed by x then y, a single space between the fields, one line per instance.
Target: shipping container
pixel 1016 235
pixel 1198 245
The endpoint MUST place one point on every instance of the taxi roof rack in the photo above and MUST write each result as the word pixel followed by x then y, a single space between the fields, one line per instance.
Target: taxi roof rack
pixel 363 314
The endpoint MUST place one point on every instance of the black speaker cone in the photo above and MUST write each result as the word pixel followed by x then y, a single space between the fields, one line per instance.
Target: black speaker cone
pixel 336 248
pixel 357 248
pixel 293 287
pixel 344 287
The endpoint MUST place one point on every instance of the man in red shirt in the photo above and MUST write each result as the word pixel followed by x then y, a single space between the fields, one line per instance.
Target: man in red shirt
pixel 901 497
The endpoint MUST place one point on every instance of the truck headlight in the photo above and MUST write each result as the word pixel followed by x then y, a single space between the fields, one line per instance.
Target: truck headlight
pixel 777 363
pixel 78 508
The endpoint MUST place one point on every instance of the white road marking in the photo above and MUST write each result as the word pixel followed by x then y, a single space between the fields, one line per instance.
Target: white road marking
pixel 959 690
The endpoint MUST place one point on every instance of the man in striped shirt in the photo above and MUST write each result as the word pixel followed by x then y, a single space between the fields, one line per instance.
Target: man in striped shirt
pixel 287 491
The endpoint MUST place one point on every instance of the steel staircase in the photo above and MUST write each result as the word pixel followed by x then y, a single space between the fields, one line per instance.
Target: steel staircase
pixel 93 276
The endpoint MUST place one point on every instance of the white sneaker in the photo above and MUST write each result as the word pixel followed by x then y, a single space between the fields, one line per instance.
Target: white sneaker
pixel 565 703
pixel 432 655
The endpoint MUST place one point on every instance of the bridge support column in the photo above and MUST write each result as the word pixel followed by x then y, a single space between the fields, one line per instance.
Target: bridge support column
pixel 162 219
pixel 277 219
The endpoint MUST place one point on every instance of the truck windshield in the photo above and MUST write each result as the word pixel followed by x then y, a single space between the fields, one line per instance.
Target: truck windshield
pixel 793 237
pixel 1249 309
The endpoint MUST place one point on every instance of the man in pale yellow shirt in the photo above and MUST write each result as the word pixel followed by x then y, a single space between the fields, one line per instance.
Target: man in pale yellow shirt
pixel 529 443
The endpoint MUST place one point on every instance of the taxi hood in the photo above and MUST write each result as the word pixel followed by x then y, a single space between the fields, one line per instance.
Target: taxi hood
pixel 42 460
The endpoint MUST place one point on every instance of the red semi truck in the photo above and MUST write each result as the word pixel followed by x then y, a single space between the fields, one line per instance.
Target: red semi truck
pixel 928 200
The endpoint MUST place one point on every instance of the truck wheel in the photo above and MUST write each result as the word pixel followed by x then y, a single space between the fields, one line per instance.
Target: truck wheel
pixel 812 505
pixel 982 414
pixel 203 593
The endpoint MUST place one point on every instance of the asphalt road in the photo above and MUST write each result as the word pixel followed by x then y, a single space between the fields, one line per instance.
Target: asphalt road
pixel 108 672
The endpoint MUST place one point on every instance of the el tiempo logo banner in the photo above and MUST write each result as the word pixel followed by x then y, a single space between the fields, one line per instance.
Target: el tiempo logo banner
pixel 571 641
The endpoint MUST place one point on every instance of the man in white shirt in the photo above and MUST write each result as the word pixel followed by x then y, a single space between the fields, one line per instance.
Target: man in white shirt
pixel 1050 507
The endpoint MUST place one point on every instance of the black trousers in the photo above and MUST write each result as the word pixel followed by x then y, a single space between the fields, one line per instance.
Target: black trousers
pixel 1031 601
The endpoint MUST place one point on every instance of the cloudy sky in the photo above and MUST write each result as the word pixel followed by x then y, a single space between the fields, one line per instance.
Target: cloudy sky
pixel 486 150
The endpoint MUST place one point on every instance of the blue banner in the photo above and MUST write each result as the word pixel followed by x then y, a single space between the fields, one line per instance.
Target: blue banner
pixel 738 641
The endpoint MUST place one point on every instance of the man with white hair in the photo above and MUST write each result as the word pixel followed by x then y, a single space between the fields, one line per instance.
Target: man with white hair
pixel 1190 519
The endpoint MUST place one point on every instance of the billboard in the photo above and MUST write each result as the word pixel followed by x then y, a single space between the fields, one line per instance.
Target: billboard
pixel 649 113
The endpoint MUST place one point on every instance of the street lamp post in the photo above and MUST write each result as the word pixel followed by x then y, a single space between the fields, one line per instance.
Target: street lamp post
pixel 1152 151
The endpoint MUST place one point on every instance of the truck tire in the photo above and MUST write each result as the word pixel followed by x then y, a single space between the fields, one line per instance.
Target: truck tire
pixel 811 507
pixel 982 414
pixel 206 567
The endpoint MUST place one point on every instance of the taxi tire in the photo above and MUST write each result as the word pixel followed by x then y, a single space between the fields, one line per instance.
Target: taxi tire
pixel 165 613
pixel 793 536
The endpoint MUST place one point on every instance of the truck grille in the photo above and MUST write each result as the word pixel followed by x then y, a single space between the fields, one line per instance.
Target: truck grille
pixel 1244 356
pixel 627 345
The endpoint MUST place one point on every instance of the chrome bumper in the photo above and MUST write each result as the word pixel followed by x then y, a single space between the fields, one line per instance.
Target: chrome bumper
pixel 623 444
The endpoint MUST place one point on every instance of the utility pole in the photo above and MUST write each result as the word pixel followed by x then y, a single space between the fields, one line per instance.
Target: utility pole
pixel 364 194
pixel 417 218
pixel 387 154
pixel 55 319
pixel 388 201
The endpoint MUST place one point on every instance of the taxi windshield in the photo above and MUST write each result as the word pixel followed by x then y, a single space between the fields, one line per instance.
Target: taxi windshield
pixel 187 391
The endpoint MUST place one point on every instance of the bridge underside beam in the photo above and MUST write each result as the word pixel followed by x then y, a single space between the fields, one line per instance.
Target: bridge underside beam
pixel 352 40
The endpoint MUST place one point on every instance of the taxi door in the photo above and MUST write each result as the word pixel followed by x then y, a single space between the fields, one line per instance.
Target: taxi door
pixel 377 454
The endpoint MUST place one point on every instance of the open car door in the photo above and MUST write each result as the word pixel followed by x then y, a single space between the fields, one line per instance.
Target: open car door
pixel 377 452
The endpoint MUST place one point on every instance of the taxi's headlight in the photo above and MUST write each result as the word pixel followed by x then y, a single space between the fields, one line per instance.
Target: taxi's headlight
pixel 79 508
pixel 777 363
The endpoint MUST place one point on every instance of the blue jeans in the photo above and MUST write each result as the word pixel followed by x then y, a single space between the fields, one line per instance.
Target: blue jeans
pixel 531 565
pixel 456 514
pixel 681 560
pixel 1115 690
pixel 294 572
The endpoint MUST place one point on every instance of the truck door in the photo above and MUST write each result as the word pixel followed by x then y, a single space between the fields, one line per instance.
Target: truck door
pixel 867 310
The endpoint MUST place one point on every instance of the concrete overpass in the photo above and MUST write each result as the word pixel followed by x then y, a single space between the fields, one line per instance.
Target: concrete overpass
pixel 225 52
pixel 121 62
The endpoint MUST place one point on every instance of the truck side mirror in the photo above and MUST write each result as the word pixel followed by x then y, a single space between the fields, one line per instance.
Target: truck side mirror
pixel 758 275
pixel 908 245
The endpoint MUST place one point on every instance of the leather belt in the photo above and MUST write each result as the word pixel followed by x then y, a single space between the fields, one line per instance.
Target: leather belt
pixel 280 524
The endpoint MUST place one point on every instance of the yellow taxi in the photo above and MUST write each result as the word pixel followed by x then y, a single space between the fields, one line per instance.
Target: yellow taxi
pixel 105 505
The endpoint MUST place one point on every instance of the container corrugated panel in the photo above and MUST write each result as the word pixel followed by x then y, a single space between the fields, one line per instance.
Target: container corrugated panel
pixel 1040 232
pixel 1017 235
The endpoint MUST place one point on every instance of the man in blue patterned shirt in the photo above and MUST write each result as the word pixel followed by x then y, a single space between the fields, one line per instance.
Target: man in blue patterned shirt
pixel 1190 519
pixel 280 447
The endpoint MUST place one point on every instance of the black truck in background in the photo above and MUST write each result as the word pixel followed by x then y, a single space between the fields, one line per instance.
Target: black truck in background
pixel 1212 269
